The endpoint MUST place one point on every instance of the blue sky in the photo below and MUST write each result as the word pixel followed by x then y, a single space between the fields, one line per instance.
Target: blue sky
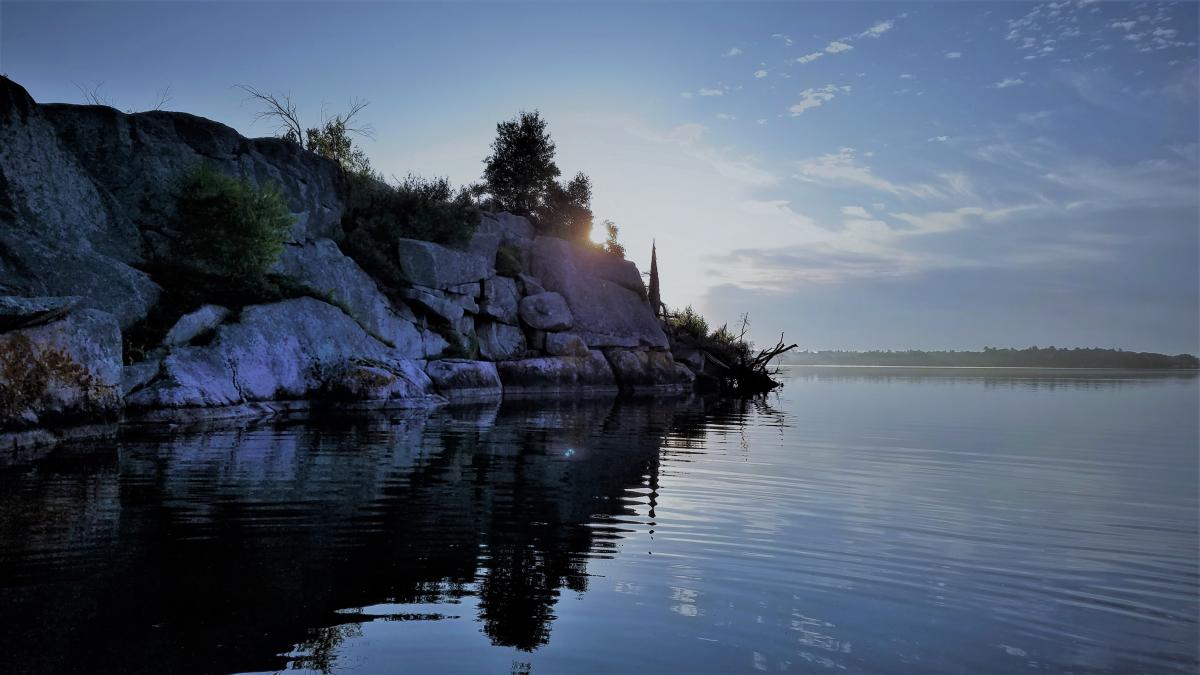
pixel 859 175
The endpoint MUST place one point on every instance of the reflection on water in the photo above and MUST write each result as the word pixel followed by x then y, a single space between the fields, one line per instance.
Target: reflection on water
pixel 877 520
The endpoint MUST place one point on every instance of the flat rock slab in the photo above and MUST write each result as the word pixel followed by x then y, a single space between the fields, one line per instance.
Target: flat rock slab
pixel 427 264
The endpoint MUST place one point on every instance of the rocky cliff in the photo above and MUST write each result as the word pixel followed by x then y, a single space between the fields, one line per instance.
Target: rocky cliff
pixel 87 197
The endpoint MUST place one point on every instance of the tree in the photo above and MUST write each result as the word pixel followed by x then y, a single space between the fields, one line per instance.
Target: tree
pixel 656 303
pixel 520 172
pixel 611 245
pixel 566 211
pixel 331 140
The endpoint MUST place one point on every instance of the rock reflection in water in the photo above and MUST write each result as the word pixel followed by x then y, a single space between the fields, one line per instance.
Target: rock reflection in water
pixel 223 549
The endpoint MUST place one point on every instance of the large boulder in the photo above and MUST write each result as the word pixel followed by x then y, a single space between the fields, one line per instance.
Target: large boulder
pixel 500 299
pixel 61 234
pixel 499 341
pixel 364 380
pixel 640 370
pixel 457 378
pixel 557 373
pixel 321 267
pixel 546 311
pixel 604 293
pixel 62 372
pixel 284 350
pixel 427 264
pixel 564 344
pixel 192 324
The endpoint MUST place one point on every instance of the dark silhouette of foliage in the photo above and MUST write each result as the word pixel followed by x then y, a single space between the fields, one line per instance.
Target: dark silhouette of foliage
pixel 655 291
pixel 228 227
pixel 611 246
pixel 566 210
pixel 331 139
pixel 520 172
pixel 1031 357
pixel 379 214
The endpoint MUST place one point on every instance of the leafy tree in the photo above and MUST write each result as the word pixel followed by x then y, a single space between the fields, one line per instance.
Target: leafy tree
pixel 331 140
pixel 228 227
pixel 520 172
pixel 611 246
pixel 566 211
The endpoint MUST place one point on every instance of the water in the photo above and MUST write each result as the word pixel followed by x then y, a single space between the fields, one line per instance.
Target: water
pixel 878 520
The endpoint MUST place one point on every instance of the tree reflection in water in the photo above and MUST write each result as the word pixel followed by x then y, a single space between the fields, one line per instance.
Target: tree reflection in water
pixel 228 549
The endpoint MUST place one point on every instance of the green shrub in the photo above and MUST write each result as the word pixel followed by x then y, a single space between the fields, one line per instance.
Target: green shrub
pixel 229 228
pixel 379 214
pixel 688 322
pixel 508 261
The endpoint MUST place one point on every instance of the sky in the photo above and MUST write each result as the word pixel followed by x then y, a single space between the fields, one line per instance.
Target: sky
pixel 856 175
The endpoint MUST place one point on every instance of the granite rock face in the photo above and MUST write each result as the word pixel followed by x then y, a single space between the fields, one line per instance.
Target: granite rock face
pixel 546 311
pixel 284 350
pixel 61 234
pixel 553 373
pixel 599 289
pixel 87 199
pixel 321 267
pixel 425 263
pixel 639 370
pixel 456 378
pixel 68 369
pixel 499 341
pixel 194 323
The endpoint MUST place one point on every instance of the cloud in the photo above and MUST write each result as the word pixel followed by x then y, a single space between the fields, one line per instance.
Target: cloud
pixel 938 139
pixel 1007 82
pixel 842 169
pixel 814 98
pixel 855 211
pixel 685 94
pixel 954 55
pixel 1034 117
pixel 836 47
pixel 787 40
pixel 711 92
pixel 808 58
pixel 906 76
pixel 878 29
pixel 725 116
pixel 760 74
pixel 733 51
pixel 1126 25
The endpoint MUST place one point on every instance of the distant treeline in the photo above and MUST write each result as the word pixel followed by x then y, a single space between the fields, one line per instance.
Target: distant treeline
pixel 1033 357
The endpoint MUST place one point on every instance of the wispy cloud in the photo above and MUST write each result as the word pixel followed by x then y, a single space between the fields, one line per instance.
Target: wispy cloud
pixel 809 58
pixel 1008 82
pixel 954 55
pixel 814 98
pixel 733 51
pixel 836 47
pixel 760 74
pixel 878 29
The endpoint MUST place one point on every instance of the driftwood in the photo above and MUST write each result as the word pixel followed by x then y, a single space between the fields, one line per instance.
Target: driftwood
pixel 753 375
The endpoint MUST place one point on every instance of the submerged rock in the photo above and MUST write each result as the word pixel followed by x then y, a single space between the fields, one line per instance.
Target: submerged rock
pixel 636 370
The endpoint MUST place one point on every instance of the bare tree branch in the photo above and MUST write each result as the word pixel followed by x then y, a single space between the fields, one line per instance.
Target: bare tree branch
pixel 279 110
pixel 163 98
pixel 93 96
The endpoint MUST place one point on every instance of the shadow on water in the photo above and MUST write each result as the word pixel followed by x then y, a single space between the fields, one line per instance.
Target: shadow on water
pixel 221 550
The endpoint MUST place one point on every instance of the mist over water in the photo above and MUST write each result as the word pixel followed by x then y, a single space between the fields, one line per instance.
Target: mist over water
pixel 863 519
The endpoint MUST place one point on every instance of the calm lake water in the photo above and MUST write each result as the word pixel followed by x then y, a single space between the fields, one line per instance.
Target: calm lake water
pixel 878 520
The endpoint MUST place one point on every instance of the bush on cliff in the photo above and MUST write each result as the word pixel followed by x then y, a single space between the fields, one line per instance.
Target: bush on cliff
pixel 230 228
pixel 379 214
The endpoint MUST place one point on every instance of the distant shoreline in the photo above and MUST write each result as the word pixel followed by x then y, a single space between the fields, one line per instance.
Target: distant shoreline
pixel 991 357
pixel 936 367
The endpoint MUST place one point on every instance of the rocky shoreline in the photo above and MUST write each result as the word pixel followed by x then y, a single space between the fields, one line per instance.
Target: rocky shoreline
pixel 85 194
